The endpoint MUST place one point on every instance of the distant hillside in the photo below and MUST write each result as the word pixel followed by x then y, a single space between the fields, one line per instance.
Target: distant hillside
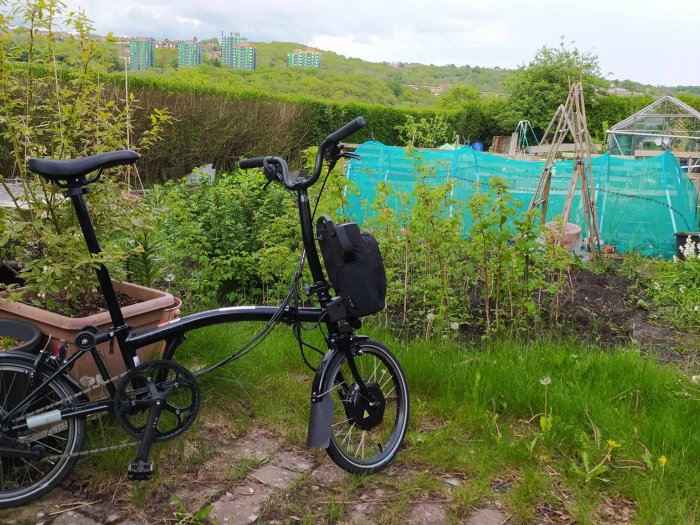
pixel 274 54
pixel 637 88
pixel 340 79
pixel 344 79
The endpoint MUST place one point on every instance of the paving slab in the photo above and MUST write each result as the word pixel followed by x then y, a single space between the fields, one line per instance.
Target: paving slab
pixel 235 509
pixel 428 514
pixel 488 516
pixel 293 459
pixel 196 498
pixel 73 518
pixel 328 475
pixel 362 514
pixel 39 510
pixel 274 476
pixel 257 444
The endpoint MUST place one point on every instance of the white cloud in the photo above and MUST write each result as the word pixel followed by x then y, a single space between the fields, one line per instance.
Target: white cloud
pixel 638 39
pixel 183 20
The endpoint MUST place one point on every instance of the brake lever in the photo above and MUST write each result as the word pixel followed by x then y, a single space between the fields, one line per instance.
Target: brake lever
pixel 336 153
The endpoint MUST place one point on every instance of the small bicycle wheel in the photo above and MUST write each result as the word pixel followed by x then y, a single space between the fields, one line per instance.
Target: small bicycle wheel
pixel 25 479
pixel 368 429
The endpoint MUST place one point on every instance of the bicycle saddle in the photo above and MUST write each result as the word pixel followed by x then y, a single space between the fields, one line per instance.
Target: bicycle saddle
pixel 72 169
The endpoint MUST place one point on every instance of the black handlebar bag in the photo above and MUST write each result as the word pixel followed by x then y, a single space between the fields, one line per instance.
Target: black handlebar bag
pixel 354 265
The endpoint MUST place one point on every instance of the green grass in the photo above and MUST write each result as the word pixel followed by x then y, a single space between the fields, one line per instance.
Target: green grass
pixel 476 413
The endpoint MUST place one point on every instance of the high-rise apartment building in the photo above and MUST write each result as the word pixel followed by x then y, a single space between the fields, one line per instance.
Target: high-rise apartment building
pixel 301 58
pixel 189 54
pixel 236 52
pixel 142 53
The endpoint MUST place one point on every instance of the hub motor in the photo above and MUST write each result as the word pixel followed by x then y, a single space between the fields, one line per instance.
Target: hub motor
pixel 365 411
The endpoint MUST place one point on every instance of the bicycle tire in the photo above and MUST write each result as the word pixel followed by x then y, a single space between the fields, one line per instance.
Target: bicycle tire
pixel 38 476
pixel 385 430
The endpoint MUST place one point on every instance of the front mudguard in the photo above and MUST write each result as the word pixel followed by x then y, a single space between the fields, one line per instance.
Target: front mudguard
pixel 322 405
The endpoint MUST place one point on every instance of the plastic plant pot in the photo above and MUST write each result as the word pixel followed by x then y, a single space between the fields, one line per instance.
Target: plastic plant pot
pixel 22 331
pixel 682 238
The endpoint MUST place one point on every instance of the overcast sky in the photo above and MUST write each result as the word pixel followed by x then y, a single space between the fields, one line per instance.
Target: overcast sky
pixel 650 41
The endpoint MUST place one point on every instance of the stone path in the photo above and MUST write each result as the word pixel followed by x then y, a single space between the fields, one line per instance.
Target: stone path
pixel 258 479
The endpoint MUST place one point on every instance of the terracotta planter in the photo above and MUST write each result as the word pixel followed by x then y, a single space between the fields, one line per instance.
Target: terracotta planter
pixel 154 307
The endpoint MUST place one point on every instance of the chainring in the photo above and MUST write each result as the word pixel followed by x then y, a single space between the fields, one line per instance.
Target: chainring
pixel 162 381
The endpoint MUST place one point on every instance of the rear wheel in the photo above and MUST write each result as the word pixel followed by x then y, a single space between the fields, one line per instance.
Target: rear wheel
pixel 23 479
pixel 368 428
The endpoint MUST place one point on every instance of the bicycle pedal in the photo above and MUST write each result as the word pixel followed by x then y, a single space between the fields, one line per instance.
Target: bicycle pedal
pixel 140 471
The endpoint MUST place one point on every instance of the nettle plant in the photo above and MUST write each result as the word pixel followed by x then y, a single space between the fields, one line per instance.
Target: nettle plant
pixel 420 234
pixel 53 105
pixel 497 276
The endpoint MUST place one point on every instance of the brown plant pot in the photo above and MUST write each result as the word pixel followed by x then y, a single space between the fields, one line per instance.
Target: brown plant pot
pixel 153 308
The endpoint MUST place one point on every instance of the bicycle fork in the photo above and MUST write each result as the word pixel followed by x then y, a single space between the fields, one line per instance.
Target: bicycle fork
pixel 322 404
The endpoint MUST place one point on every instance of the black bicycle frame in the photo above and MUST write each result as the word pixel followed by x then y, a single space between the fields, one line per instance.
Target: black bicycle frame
pixel 173 331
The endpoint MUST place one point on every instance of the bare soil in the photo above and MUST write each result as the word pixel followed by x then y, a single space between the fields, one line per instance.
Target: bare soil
pixel 85 305
pixel 608 310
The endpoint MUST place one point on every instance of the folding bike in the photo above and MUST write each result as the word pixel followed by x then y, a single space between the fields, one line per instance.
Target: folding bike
pixel 359 396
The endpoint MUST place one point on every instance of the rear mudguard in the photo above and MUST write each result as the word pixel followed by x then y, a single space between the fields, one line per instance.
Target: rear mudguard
pixel 321 418
pixel 50 368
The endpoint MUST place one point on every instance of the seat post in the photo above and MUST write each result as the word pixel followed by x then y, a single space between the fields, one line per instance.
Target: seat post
pixel 75 194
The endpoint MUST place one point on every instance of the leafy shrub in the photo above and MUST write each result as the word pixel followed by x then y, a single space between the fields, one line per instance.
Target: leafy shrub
pixel 228 241
pixel 44 114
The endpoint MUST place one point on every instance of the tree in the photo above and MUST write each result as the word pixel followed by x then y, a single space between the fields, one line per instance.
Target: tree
pixel 537 89
pixel 425 132
pixel 458 96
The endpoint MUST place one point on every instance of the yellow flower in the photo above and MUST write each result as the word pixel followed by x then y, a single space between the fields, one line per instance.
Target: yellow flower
pixel 662 461
pixel 612 443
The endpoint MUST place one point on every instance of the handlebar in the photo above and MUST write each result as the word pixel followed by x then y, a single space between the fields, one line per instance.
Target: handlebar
pixel 347 130
pixel 280 171
pixel 247 164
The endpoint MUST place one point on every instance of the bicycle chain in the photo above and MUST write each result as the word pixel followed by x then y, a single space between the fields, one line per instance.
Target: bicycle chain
pixel 91 451
pixel 85 391
pixel 73 396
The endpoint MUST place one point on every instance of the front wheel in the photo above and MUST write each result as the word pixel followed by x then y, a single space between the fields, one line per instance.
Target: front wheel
pixel 368 428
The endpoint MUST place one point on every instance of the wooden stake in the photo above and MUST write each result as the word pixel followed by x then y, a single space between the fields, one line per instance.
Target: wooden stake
pixel 570 118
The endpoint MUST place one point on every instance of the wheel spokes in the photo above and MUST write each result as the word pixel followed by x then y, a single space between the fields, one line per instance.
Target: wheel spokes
pixel 364 444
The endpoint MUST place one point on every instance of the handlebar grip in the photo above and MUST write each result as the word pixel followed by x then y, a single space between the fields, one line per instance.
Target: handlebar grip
pixel 347 130
pixel 246 164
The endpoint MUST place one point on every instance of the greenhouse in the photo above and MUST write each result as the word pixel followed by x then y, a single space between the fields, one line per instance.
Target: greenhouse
pixel 641 203
pixel 667 124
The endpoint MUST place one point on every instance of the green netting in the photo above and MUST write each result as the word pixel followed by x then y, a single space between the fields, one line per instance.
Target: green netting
pixel 641 203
